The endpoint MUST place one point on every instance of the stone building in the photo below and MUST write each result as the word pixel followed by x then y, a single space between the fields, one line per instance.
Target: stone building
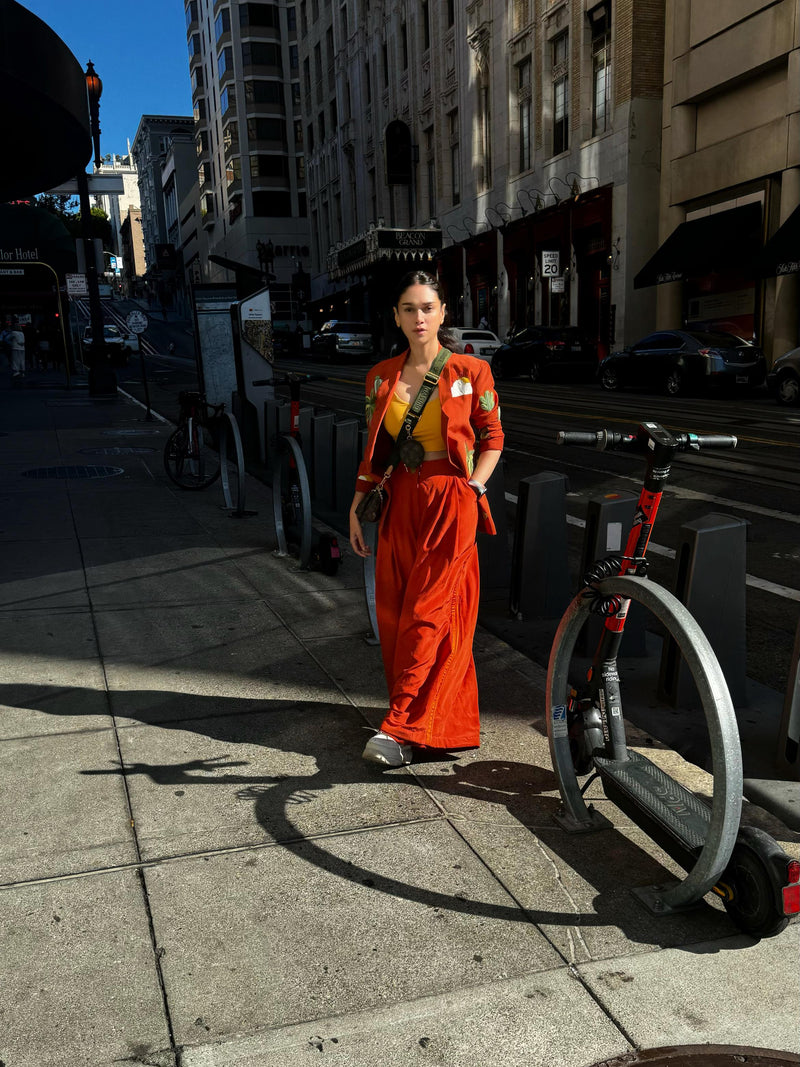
pixel 729 216
pixel 513 145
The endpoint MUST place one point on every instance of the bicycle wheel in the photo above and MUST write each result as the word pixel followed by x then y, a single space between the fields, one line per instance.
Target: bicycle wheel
pixel 190 458
pixel 291 500
pixel 713 847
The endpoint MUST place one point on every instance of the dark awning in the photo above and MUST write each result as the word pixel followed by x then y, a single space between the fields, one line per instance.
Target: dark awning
pixel 711 243
pixel 781 253
pixel 44 115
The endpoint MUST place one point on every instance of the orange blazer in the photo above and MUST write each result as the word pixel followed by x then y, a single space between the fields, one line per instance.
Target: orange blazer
pixel 470 419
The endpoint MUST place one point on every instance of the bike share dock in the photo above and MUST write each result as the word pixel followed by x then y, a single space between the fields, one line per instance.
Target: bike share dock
pixel 197 868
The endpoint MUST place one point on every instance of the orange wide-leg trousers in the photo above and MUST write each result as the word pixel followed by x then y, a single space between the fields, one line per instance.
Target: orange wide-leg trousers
pixel 427 586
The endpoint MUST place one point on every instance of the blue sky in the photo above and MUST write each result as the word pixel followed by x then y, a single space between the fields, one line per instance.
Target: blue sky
pixel 138 48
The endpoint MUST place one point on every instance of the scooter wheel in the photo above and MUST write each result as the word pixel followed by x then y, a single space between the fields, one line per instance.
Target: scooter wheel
pixel 752 903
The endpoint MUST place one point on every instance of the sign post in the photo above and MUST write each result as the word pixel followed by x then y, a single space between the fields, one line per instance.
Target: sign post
pixel 137 322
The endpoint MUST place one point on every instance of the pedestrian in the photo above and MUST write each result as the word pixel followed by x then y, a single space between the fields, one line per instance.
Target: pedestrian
pixel 427 579
pixel 17 342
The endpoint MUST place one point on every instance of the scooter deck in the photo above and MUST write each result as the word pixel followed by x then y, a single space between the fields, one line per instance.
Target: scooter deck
pixel 668 812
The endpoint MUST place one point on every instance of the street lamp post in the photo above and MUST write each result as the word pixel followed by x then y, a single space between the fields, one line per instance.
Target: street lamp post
pixel 102 380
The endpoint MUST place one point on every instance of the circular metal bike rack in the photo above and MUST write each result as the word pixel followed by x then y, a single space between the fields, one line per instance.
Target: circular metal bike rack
pixel 720 721
pixel 229 423
pixel 286 443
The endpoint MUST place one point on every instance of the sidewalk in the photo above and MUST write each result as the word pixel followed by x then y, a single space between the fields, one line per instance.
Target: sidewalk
pixel 198 870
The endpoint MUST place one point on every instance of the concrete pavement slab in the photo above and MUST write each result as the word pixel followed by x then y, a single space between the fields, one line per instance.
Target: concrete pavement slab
pixel 115 512
pixel 225 658
pixel 50 677
pixel 34 514
pixel 730 991
pixel 59 815
pixel 291 772
pixel 546 1019
pixel 78 981
pixel 335 925
pixel 180 569
pixel 43 575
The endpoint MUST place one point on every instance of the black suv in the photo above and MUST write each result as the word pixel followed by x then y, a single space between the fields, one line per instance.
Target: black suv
pixel 546 353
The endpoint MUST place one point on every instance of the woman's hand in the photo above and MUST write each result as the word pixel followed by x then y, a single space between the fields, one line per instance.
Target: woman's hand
pixel 357 541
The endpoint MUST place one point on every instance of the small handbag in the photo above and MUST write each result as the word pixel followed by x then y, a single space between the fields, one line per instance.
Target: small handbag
pixel 406 451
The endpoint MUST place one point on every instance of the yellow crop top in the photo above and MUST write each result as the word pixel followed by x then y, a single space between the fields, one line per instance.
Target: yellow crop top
pixel 428 430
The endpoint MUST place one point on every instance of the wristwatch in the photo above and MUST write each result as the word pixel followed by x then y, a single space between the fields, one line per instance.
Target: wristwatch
pixel 479 487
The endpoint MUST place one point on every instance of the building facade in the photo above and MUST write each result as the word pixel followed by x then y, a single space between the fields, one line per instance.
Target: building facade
pixel 132 252
pixel 513 146
pixel 243 60
pixel 117 206
pixel 163 153
pixel 730 191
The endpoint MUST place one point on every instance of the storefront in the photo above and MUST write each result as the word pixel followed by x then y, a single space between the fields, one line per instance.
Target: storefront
pixel 364 274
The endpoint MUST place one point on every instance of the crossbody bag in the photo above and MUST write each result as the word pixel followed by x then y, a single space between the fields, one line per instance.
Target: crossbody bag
pixel 406 450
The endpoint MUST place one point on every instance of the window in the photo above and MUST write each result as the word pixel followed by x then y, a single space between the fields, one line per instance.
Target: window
pixel 197 78
pixel 259 15
pixel 194 45
pixel 233 170
pixel 430 167
pixel 343 23
pixel 261 54
pixel 303 18
pixel 426 26
pixel 321 125
pixel 294 59
pixel 225 61
pixel 307 80
pixel 385 58
pixel 269 167
pixel 200 110
pixel 455 158
pixel 519 15
pixel 524 113
pixel 222 23
pixel 230 138
pixel 202 142
pixel 267 130
pixel 333 114
pixel 291 19
pixel 204 173
pixel 191 13
pixel 263 92
pixel 451 12
pixel 404 46
pixel 600 20
pixel 272 205
pixel 367 83
pixel 560 72
pixel 225 100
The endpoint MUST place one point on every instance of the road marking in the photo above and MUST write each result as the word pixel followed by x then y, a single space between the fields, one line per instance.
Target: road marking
pixel 784 591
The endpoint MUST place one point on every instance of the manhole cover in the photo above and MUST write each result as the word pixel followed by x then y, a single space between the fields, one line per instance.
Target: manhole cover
pixel 704 1056
pixel 73 472
pixel 117 450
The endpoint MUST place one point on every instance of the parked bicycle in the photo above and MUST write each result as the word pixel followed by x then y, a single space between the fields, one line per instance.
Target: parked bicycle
pixel 757 882
pixel 291 489
pixel 191 454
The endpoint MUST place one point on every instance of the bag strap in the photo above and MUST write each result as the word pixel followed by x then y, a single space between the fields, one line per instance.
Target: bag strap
pixel 429 383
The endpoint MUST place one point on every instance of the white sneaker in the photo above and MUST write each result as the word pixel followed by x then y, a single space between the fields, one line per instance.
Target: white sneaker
pixel 385 750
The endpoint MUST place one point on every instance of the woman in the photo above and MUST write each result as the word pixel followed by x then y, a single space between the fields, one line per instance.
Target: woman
pixel 427 580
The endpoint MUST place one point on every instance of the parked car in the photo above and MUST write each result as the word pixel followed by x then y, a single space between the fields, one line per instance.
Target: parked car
pixel 340 338
pixel 783 380
pixel 546 353
pixel 120 344
pixel 470 341
pixel 678 360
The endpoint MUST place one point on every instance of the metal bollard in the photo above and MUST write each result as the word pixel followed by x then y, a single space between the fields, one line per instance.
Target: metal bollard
pixel 539 570
pixel 284 425
pixel 608 519
pixel 788 754
pixel 345 463
pixel 322 451
pixel 710 580
pixel 272 425
pixel 493 551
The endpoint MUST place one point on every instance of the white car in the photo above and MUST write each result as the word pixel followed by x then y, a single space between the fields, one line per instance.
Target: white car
pixel 471 341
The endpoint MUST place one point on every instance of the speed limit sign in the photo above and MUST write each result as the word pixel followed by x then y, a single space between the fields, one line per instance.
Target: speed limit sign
pixel 550 264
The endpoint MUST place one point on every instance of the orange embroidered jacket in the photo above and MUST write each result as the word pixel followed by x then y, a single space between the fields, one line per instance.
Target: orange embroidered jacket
pixel 470 419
